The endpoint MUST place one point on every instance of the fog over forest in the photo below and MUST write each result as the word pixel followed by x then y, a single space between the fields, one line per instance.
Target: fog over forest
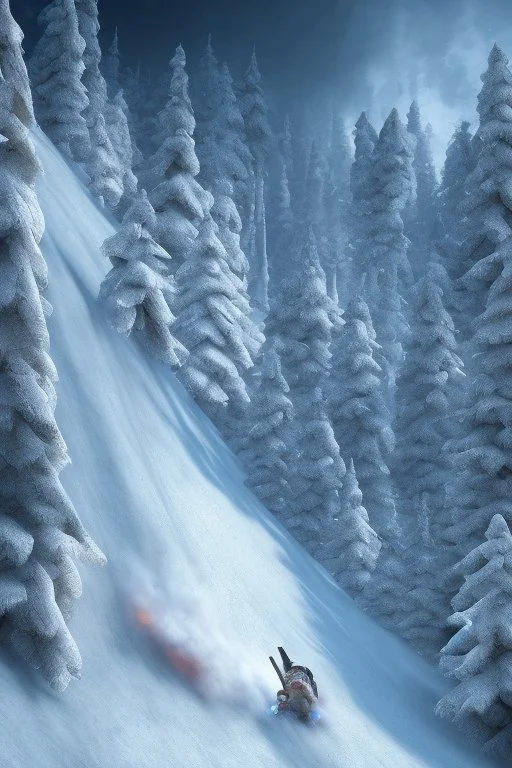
pixel 365 54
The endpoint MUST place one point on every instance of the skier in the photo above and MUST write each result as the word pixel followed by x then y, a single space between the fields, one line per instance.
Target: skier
pixel 299 693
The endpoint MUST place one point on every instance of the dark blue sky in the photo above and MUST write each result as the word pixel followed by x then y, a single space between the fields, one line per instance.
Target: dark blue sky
pixel 307 48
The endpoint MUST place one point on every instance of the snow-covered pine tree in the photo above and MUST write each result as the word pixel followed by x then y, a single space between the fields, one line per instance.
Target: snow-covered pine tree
pixel 259 139
pixel 316 471
pixel 479 655
pixel 422 423
pixel 116 124
pixel 459 163
pixel 420 216
pixel 280 263
pixel 138 291
pixel 352 546
pixel 336 210
pixel 103 165
pixel 141 113
pixel 235 156
pixel 88 26
pixel 299 324
pixel 488 200
pixel 55 71
pixel 422 604
pixel 105 178
pixel 365 139
pixel 227 218
pixel 180 202
pixel 211 326
pixel 313 213
pixel 224 159
pixel 482 483
pixel 40 533
pixel 123 125
pixel 265 452
pixel 359 415
pixel 391 190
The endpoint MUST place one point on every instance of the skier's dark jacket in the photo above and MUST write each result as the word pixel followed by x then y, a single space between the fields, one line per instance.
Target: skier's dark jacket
pixel 288 665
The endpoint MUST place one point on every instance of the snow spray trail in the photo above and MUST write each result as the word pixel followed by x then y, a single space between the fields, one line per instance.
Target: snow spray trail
pixel 185 626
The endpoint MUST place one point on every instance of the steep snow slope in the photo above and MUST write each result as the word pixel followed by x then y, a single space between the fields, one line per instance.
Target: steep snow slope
pixel 165 500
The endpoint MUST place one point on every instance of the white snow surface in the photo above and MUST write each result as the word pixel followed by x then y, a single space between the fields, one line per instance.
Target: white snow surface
pixel 165 500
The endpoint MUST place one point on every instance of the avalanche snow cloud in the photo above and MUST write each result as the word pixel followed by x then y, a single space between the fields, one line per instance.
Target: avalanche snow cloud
pixel 165 500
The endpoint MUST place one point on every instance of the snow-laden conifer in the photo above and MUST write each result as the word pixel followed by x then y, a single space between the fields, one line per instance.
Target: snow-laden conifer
pixel 40 533
pixel 479 655
pixel 265 452
pixel 422 601
pixel 105 168
pixel 118 131
pixel 420 214
pixel 488 201
pixel 120 127
pixel 430 372
pixel 336 194
pixel 300 324
pixel 313 214
pixel 352 546
pixel 206 112
pixel 227 218
pixel 223 156
pixel 105 176
pixel 391 189
pixel 259 139
pixel 235 156
pixel 365 138
pixel 459 163
pixel 284 241
pixel 88 26
pixel 316 473
pixel 139 289
pixel 481 486
pixel 211 326
pixel 299 321
pixel 359 415
pixel 55 71
pixel 179 200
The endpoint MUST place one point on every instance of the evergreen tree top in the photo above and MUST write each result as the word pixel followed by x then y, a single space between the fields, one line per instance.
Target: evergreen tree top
pixel 252 75
pixel 178 111
pixel 414 120
pixel 394 154
pixel 309 251
pixel 350 490
pixel 458 158
pixel 364 128
pixel 498 529
pixel 496 90
pixel 208 63
pixel 179 60
pixel 357 309
pixel 497 57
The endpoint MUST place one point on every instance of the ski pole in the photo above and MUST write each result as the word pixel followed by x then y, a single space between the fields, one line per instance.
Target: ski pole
pixel 279 673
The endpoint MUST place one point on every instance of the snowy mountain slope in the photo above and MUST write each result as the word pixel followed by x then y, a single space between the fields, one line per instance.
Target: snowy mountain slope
pixel 165 500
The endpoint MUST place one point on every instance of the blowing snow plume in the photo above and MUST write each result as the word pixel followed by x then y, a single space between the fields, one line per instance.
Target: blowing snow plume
pixel 185 630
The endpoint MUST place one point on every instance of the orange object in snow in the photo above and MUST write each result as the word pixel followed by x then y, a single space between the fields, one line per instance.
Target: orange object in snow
pixel 181 661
